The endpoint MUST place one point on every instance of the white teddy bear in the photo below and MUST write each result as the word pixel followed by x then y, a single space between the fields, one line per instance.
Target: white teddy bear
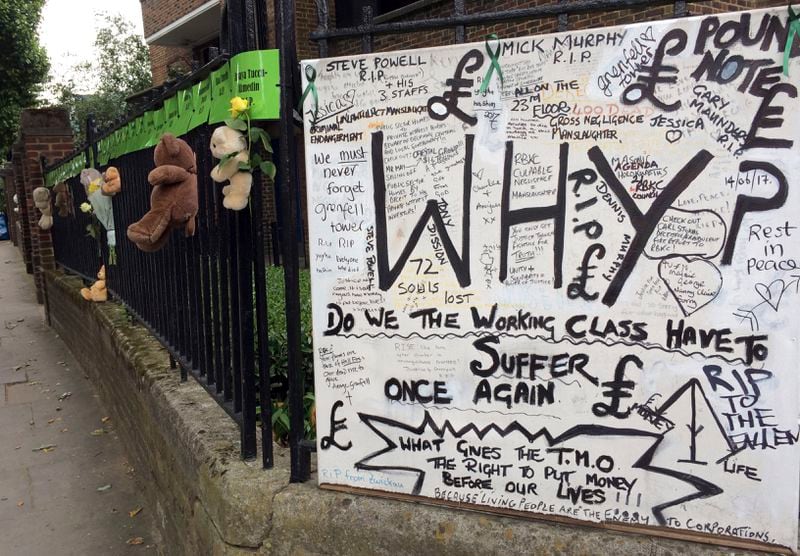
pixel 41 199
pixel 224 141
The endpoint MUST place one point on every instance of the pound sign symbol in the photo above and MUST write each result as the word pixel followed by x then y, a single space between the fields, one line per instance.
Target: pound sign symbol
pixel 617 389
pixel 336 426
pixel 449 99
pixel 645 87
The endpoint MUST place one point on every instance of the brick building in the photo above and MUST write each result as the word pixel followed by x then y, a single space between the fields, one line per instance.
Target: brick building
pixel 179 32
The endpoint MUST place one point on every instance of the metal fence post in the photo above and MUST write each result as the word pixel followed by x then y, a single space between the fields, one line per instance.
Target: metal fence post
pixel 287 158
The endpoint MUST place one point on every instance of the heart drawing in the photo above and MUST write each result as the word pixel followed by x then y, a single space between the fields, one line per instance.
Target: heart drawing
pixel 693 283
pixel 673 135
pixel 773 293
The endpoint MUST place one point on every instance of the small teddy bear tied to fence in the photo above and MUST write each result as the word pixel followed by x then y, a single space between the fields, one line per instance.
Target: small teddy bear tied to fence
pixel 112 183
pixel 230 148
pixel 97 292
pixel 173 201
pixel 62 201
pixel 41 199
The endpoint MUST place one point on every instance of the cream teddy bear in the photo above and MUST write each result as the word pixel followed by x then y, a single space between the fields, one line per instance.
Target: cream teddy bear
pixel 225 141
pixel 97 291
pixel 41 198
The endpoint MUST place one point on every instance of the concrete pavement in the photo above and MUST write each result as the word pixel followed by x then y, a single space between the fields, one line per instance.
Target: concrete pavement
pixel 66 487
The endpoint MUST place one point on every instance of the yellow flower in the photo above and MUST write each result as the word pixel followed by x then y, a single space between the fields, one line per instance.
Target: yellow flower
pixel 94 185
pixel 86 207
pixel 238 105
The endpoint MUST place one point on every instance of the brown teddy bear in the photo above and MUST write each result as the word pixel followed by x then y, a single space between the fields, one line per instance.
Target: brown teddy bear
pixel 113 183
pixel 62 201
pixel 97 291
pixel 173 201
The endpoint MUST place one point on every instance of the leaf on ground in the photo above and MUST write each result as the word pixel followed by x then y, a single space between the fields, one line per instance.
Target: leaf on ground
pixel 105 419
pixel 103 488
pixel 134 513
pixel 53 420
pixel 45 448
pixel 64 429
pixel 17 447
pixel 98 432
pixel 135 540
pixel 64 396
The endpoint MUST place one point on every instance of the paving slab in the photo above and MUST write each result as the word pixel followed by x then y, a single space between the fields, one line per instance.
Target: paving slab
pixel 66 486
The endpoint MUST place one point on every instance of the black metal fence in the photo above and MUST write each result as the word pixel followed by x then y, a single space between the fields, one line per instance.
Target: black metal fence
pixel 204 297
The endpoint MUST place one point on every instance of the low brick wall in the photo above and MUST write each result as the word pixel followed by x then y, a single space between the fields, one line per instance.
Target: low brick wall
pixel 185 449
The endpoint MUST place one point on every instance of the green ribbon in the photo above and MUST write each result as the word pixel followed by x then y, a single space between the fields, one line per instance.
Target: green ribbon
pixel 495 64
pixel 794 29
pixel 311 76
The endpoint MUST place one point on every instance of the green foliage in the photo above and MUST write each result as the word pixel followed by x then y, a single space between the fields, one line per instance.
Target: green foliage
pixel 279 354
pixel 121 68
pixel 23 63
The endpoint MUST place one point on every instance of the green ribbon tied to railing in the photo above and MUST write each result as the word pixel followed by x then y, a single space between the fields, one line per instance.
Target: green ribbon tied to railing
pixel 793 29
pixel 494 57
pixel 311 87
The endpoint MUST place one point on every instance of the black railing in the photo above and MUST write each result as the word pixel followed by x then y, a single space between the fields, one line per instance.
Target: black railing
pixel 204 297
pixel 196 295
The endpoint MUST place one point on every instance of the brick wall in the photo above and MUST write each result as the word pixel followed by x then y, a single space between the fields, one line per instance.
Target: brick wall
pixel 22 230
pixel 658 10
pixel 162 58
pixel 46 133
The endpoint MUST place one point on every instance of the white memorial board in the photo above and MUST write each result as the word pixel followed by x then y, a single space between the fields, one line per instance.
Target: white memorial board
pixel 573 293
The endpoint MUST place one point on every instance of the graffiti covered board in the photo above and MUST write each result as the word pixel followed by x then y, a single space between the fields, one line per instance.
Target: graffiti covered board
pixel 559 274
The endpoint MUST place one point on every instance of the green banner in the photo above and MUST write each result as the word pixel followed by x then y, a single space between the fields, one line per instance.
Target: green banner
pixel 119 146
pixel 126 143
pixel 139 138
pixel 170 115
pixel 113 145
pixel 185 111
pixel 255 76
pixel 221 87
pixel 102 152
pixel 146 130
pixel 201 103
pixel 157 127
